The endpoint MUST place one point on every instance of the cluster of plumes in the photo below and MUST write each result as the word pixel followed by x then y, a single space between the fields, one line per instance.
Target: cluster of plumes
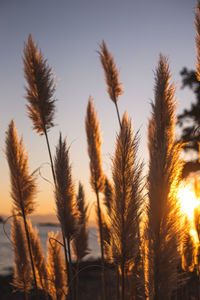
pixel 22 280
pixel 80 241
pixel 111 73
pixel 64 193
pixel 57 275
pixel 127 198
pixel 94 148
pixel 163 179
pixel 51 277
pixel 23 185
pixel 40 89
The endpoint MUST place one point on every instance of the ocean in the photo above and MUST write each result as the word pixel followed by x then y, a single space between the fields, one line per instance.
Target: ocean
pixel 6 251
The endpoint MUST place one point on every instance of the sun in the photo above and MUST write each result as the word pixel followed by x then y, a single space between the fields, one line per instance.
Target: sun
pixel 188 200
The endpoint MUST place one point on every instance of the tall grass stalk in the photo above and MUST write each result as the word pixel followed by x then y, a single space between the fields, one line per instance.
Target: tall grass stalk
pixel 22 280
pixel 127 200
pixel 39 92
pixel 42 273
pixel 164 176
pixel 80 241
pixel 111 76
pixel 65 202
pixel 97 177
pixel 23 185
pixel 55 266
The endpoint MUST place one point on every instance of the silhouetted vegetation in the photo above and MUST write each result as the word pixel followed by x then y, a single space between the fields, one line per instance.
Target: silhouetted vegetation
pixel 147 250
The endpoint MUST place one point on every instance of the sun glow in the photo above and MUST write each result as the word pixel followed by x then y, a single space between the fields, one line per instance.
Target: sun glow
pixel 188 200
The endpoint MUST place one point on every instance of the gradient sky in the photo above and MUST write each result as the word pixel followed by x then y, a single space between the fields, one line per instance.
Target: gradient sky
pixel 69 34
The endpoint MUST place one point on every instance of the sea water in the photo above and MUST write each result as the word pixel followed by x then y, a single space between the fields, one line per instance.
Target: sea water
pixel 6 250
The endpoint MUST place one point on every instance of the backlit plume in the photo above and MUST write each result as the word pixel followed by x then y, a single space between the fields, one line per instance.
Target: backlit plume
pixel 40 89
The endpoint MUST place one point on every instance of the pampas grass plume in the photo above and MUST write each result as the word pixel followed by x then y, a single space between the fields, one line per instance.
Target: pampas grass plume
pixel 23 185
pixel 22 272
pixel 40 89
pixel 111 73
pixel 55 266
pixel 80 241
pixel 38 258
pixel 94 148
pixel 164 177
pixel 65 193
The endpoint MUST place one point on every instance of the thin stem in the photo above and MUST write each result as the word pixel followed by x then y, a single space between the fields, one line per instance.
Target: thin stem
pixel 120 124
pixel 101 244
pixel 67 265
pixel 50 156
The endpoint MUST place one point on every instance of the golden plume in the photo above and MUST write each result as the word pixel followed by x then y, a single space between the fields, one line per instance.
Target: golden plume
pixel 164 176
pixel 22 280
pixel 111 73
pixel 97 176
pixel 40 89
pixel 127 201
pixel 39 259
pixel 55 263
pixel 111 76
pixel 94 147
pixel 80 241
pixel 23 186
pixel 65 194
pixel 188 249
pixel 22 183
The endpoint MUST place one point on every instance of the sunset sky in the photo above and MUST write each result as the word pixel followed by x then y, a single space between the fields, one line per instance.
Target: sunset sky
pixel 69 34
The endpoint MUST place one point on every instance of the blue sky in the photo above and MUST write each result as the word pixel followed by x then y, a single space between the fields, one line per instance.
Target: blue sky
pixel 69 34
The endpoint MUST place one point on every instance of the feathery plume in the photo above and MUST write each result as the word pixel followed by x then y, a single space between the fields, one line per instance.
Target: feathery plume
pixel 22 276
pixel 40 89
pixel 97 176
pixel 40 92
pixel 188 249
pixel 164 176
pixel 197 39
pixel 65 203
pixel 111 73
pixel 125 209
pixel 55 266
pixel 94 147
pixel 23 185
pixel 111 76
pixel 80 241
pixel 38 258
pixel 64 190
